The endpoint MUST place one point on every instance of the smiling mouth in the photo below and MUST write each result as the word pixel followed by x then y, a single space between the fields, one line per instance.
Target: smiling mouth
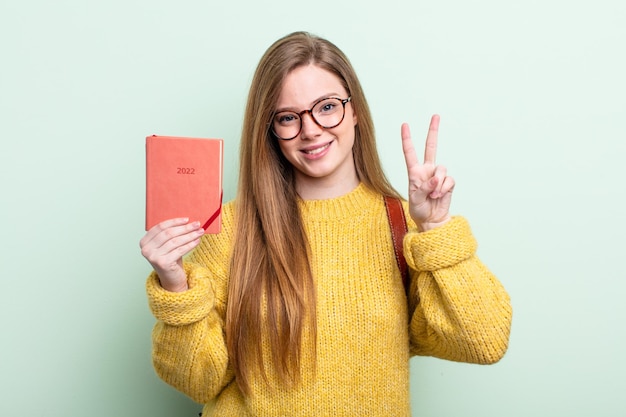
pixel 317 150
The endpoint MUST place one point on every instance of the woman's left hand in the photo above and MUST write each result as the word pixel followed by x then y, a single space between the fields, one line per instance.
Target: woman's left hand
pixel 430 188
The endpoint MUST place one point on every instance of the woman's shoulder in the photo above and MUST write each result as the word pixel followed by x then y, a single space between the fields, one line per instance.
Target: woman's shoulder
pixel 228 208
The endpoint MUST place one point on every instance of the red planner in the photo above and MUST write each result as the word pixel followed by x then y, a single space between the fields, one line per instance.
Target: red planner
pixel 184 179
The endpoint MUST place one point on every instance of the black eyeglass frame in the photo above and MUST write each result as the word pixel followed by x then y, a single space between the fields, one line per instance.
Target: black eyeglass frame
pixel 343 102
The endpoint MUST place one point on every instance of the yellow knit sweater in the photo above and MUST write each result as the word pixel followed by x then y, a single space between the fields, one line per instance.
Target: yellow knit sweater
pixel 364 338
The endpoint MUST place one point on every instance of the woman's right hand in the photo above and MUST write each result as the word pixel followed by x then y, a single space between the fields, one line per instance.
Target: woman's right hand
pixel 164 246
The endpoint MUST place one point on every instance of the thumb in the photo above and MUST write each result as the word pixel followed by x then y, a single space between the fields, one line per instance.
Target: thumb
pixel 429 186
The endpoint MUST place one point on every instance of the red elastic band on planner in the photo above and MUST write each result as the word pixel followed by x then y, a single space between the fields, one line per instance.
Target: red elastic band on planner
pixel 215 215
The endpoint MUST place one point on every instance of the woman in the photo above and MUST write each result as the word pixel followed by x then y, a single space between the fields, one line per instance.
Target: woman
pixel 297 307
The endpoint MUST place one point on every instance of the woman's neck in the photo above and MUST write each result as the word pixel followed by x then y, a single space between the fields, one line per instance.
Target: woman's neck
pixel 309 188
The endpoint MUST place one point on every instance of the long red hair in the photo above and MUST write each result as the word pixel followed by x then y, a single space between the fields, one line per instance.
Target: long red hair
pixel 270 273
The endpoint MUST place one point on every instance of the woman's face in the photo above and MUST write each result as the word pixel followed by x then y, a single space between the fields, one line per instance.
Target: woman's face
pixel 318 154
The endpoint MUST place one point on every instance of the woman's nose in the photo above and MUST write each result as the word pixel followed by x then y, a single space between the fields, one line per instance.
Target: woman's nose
pixel 310 129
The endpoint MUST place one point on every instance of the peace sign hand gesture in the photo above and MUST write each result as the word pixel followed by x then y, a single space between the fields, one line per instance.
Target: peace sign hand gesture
pixel 430 188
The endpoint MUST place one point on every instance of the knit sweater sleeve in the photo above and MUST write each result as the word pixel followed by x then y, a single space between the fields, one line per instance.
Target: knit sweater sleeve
pixel 462 313
pixel 188 345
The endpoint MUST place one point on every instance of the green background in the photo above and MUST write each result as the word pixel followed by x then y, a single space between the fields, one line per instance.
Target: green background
pixel 532 99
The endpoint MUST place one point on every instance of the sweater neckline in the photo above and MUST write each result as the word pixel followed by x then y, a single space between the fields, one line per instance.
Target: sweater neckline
pixel 339 208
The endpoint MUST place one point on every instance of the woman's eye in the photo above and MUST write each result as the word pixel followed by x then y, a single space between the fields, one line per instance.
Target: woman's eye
pixel 286 118
pixel 328 107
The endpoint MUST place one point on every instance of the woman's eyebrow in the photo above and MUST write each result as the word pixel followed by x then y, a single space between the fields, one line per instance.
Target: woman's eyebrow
pixel 311 104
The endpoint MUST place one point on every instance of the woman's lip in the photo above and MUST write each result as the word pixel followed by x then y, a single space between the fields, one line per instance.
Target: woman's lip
pixel 316 152
pixel 310 149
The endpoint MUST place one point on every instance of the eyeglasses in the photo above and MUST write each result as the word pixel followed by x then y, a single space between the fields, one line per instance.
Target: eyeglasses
pixel 326 113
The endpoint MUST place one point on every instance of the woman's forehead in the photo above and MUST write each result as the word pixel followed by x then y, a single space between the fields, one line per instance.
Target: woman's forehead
pixel 305 85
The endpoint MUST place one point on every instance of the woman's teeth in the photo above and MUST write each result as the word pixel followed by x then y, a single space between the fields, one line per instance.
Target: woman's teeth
pixel 318 150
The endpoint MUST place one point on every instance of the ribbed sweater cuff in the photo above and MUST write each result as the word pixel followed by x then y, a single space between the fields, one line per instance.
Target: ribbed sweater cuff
pixel 182 308
pixel 441 247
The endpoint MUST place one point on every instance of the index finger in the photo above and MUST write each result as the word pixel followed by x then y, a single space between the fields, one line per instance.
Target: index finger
pixel 407 146
pixel 430 151
pixel 159 227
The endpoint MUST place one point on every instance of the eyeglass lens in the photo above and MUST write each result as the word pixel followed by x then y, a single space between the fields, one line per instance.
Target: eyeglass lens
pixel 327 113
